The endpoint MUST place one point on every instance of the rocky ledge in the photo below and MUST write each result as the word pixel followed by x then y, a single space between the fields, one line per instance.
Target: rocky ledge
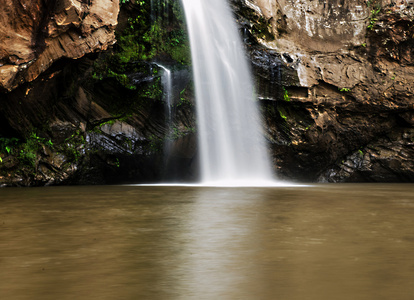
pixel 36 33
pixel 336 84
pixel 73 113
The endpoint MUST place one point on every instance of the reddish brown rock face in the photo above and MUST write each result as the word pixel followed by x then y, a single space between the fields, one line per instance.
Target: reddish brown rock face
pixel 34 34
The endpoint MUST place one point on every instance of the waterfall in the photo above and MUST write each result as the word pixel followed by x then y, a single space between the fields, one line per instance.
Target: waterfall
pixel 232 148
pixel 166 81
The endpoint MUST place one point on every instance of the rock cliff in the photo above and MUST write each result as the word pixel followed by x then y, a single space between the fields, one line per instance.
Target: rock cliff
pixel 35 34
pixel 76 108
pixel 334 79
pixel 339 78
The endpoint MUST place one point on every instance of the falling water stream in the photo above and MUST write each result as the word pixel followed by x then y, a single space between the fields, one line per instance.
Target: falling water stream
pixel 166 81
pixel 167 85
pixel 232 149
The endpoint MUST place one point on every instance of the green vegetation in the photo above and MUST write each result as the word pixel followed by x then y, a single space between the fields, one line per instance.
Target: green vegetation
pixel 155 143
pixel 286 95
pixel 30 148
pixel 185 96
pixel 153 31
pixel 144 39
pixel 263 29
pixel 344 90
pixel 259 26
pixel 373 18
pixel 177 133
pixel 8 144
pixel 74 146
pixel 282 113
pixel 153 90
pixel 25 151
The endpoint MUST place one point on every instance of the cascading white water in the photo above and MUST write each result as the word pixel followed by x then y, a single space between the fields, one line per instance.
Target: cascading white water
pixel 231 145
pixel 166 81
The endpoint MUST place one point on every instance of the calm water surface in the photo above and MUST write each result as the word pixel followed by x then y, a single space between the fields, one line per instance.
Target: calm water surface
pixel 129 242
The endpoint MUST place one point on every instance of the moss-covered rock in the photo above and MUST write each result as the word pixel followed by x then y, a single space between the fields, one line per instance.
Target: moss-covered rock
pixel 103 118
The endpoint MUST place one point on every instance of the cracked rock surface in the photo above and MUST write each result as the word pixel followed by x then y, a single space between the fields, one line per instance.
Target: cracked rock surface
pixel 336 79
pixel 36 33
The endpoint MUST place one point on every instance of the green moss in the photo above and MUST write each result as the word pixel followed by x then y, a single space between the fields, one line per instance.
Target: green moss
pixel 282 114
pixel 186 95
pixel 7 145
pixel 286 95
pixel 117 163
pixel 156 144
pixel 177 133
pixel 152 90
pixel 146 39
pixel 29 149
pixel 262 29
pixel 74 146
pixel 373 18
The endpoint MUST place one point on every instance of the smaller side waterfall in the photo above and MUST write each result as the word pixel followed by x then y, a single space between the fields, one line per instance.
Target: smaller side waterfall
pixel 232 147
pixel 166 81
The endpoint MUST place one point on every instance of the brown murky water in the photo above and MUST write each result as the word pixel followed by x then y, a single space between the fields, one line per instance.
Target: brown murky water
pixel 127 242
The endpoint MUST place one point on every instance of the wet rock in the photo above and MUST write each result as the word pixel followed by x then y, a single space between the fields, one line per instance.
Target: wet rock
pixel 389 159
pixel 9 162
pixel 336 79
pixel 92 129
pixel 337 96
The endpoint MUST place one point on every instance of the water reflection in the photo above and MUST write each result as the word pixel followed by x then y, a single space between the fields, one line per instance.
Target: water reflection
pixel 323 242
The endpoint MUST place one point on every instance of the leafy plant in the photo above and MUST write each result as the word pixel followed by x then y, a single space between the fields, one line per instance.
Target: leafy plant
pixel 282 114
pixel 286 95
pixel 373 18
pixel 8 144
pixel 157 30
pixel 74 145
pixel 30 148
